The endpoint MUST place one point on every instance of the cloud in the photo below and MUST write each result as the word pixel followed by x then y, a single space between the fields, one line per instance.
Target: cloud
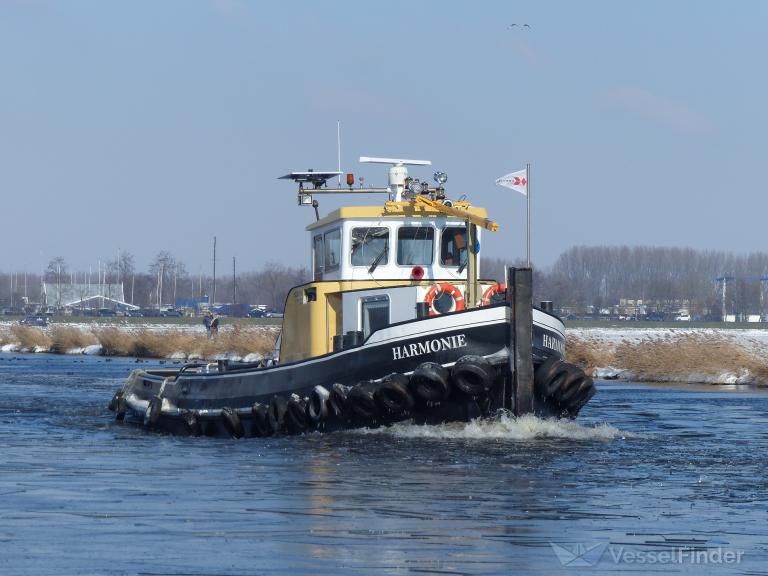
pixel 642 102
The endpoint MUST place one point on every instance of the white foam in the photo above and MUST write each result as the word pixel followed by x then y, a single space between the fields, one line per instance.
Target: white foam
pixel 504 427
pixel 9 348
pixel 92 350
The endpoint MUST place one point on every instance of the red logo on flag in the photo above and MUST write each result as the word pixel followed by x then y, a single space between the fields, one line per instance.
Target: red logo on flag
pixel 517 181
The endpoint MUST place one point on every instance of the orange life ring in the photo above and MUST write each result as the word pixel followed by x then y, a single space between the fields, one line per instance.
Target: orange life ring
pixel 497 288
pixel 441 288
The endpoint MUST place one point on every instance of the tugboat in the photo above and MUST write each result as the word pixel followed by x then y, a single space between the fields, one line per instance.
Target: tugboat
pixel 396 324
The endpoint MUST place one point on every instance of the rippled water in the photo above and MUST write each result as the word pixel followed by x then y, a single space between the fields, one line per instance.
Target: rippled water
pixel 645 470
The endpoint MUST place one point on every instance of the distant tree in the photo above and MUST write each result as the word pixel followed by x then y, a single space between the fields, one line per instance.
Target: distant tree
pixel 57 270
pixel 169 273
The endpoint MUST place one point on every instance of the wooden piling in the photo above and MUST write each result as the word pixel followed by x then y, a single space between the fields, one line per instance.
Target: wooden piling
pixel 519 395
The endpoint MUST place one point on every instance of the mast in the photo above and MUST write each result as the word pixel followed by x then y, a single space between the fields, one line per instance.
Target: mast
pixel 213 300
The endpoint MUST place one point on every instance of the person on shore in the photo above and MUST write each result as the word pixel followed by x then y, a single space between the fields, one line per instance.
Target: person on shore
pixel 214 326
pixel 208 322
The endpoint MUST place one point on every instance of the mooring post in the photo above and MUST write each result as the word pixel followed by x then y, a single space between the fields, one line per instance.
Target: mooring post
pixel 520 297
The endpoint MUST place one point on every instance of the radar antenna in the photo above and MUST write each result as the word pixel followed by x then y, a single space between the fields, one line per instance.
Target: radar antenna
pixel 398 173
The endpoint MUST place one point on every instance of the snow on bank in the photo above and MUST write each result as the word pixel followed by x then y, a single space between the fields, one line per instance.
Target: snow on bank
pixel 610 336
pixel 701 355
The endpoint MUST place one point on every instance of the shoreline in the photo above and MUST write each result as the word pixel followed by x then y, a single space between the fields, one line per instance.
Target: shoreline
pixel 641 354
pixel 235 341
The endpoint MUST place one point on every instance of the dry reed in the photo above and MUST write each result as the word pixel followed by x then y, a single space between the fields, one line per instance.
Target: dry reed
pixel 686 357
pixel 66 338
pixel 30 337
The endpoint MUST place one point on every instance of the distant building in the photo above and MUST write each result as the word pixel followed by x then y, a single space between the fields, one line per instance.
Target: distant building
pixel 84 296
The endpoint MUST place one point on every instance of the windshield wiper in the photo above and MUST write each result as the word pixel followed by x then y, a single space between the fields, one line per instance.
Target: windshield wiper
pixel 463 265
pixel 377 260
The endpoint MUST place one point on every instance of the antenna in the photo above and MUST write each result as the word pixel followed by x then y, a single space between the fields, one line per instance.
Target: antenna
pixel 338 146
pixel 395 161
pixel 397 172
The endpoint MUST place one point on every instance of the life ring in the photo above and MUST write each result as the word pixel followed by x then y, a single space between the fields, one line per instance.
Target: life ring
pixel 444 288
pixel 498 288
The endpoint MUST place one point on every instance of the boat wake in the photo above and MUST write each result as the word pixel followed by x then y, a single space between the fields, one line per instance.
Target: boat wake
pixel 504 427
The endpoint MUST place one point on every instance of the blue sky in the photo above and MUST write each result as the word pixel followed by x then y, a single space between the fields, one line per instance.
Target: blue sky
pixel 156 125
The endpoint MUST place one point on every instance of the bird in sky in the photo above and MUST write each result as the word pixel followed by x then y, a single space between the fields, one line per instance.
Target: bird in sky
pixel 524 26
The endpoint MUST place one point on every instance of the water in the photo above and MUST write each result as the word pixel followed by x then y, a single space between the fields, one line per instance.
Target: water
pixel 645 470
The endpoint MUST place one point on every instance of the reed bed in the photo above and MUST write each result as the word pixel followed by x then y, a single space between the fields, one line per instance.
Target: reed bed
pixel 234 340
pixel 684 357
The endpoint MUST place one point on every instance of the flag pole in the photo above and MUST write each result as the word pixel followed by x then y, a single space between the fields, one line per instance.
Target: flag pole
pixel 528 213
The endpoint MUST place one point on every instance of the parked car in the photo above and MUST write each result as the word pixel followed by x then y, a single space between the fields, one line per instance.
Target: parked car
pixel 134 314
pixel 256 313
pixel 273 314
pixel 171 313
pixel 107 313
pixel 35 320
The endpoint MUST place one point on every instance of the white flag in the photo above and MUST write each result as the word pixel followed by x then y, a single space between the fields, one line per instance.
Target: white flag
pixel 517 181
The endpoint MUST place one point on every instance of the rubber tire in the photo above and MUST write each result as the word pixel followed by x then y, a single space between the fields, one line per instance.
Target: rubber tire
pixel 276 414
pixel 296 417
pixel 120 409
pixel 393 395
pixel 192 423
pixel 430 382
pixel 362 400
pixel 549 377
pixel 260 414
pixel 338 403
pixel 317 407
pixel 155 409
pixel 570 388
pixel 473 375
pixel 586 391
pixel 232 423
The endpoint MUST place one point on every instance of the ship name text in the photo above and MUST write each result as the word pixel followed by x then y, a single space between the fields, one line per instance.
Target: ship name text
pixel 553 343
pixel 434 345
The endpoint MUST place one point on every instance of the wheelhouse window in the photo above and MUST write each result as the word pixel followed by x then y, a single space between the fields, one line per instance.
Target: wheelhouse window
pixel 332 249
pixel 453 246
pixel 317 254
pixel 374 313
pixel 370 246
pixel 415 245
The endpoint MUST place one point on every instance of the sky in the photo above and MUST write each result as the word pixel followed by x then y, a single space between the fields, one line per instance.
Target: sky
pixel 144 126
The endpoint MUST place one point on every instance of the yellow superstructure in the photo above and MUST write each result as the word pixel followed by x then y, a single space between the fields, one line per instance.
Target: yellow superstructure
pixel 314 311
pixel 405 210
pixel 313 316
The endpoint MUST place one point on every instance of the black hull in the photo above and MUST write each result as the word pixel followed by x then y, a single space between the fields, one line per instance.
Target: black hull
pixel 398 349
